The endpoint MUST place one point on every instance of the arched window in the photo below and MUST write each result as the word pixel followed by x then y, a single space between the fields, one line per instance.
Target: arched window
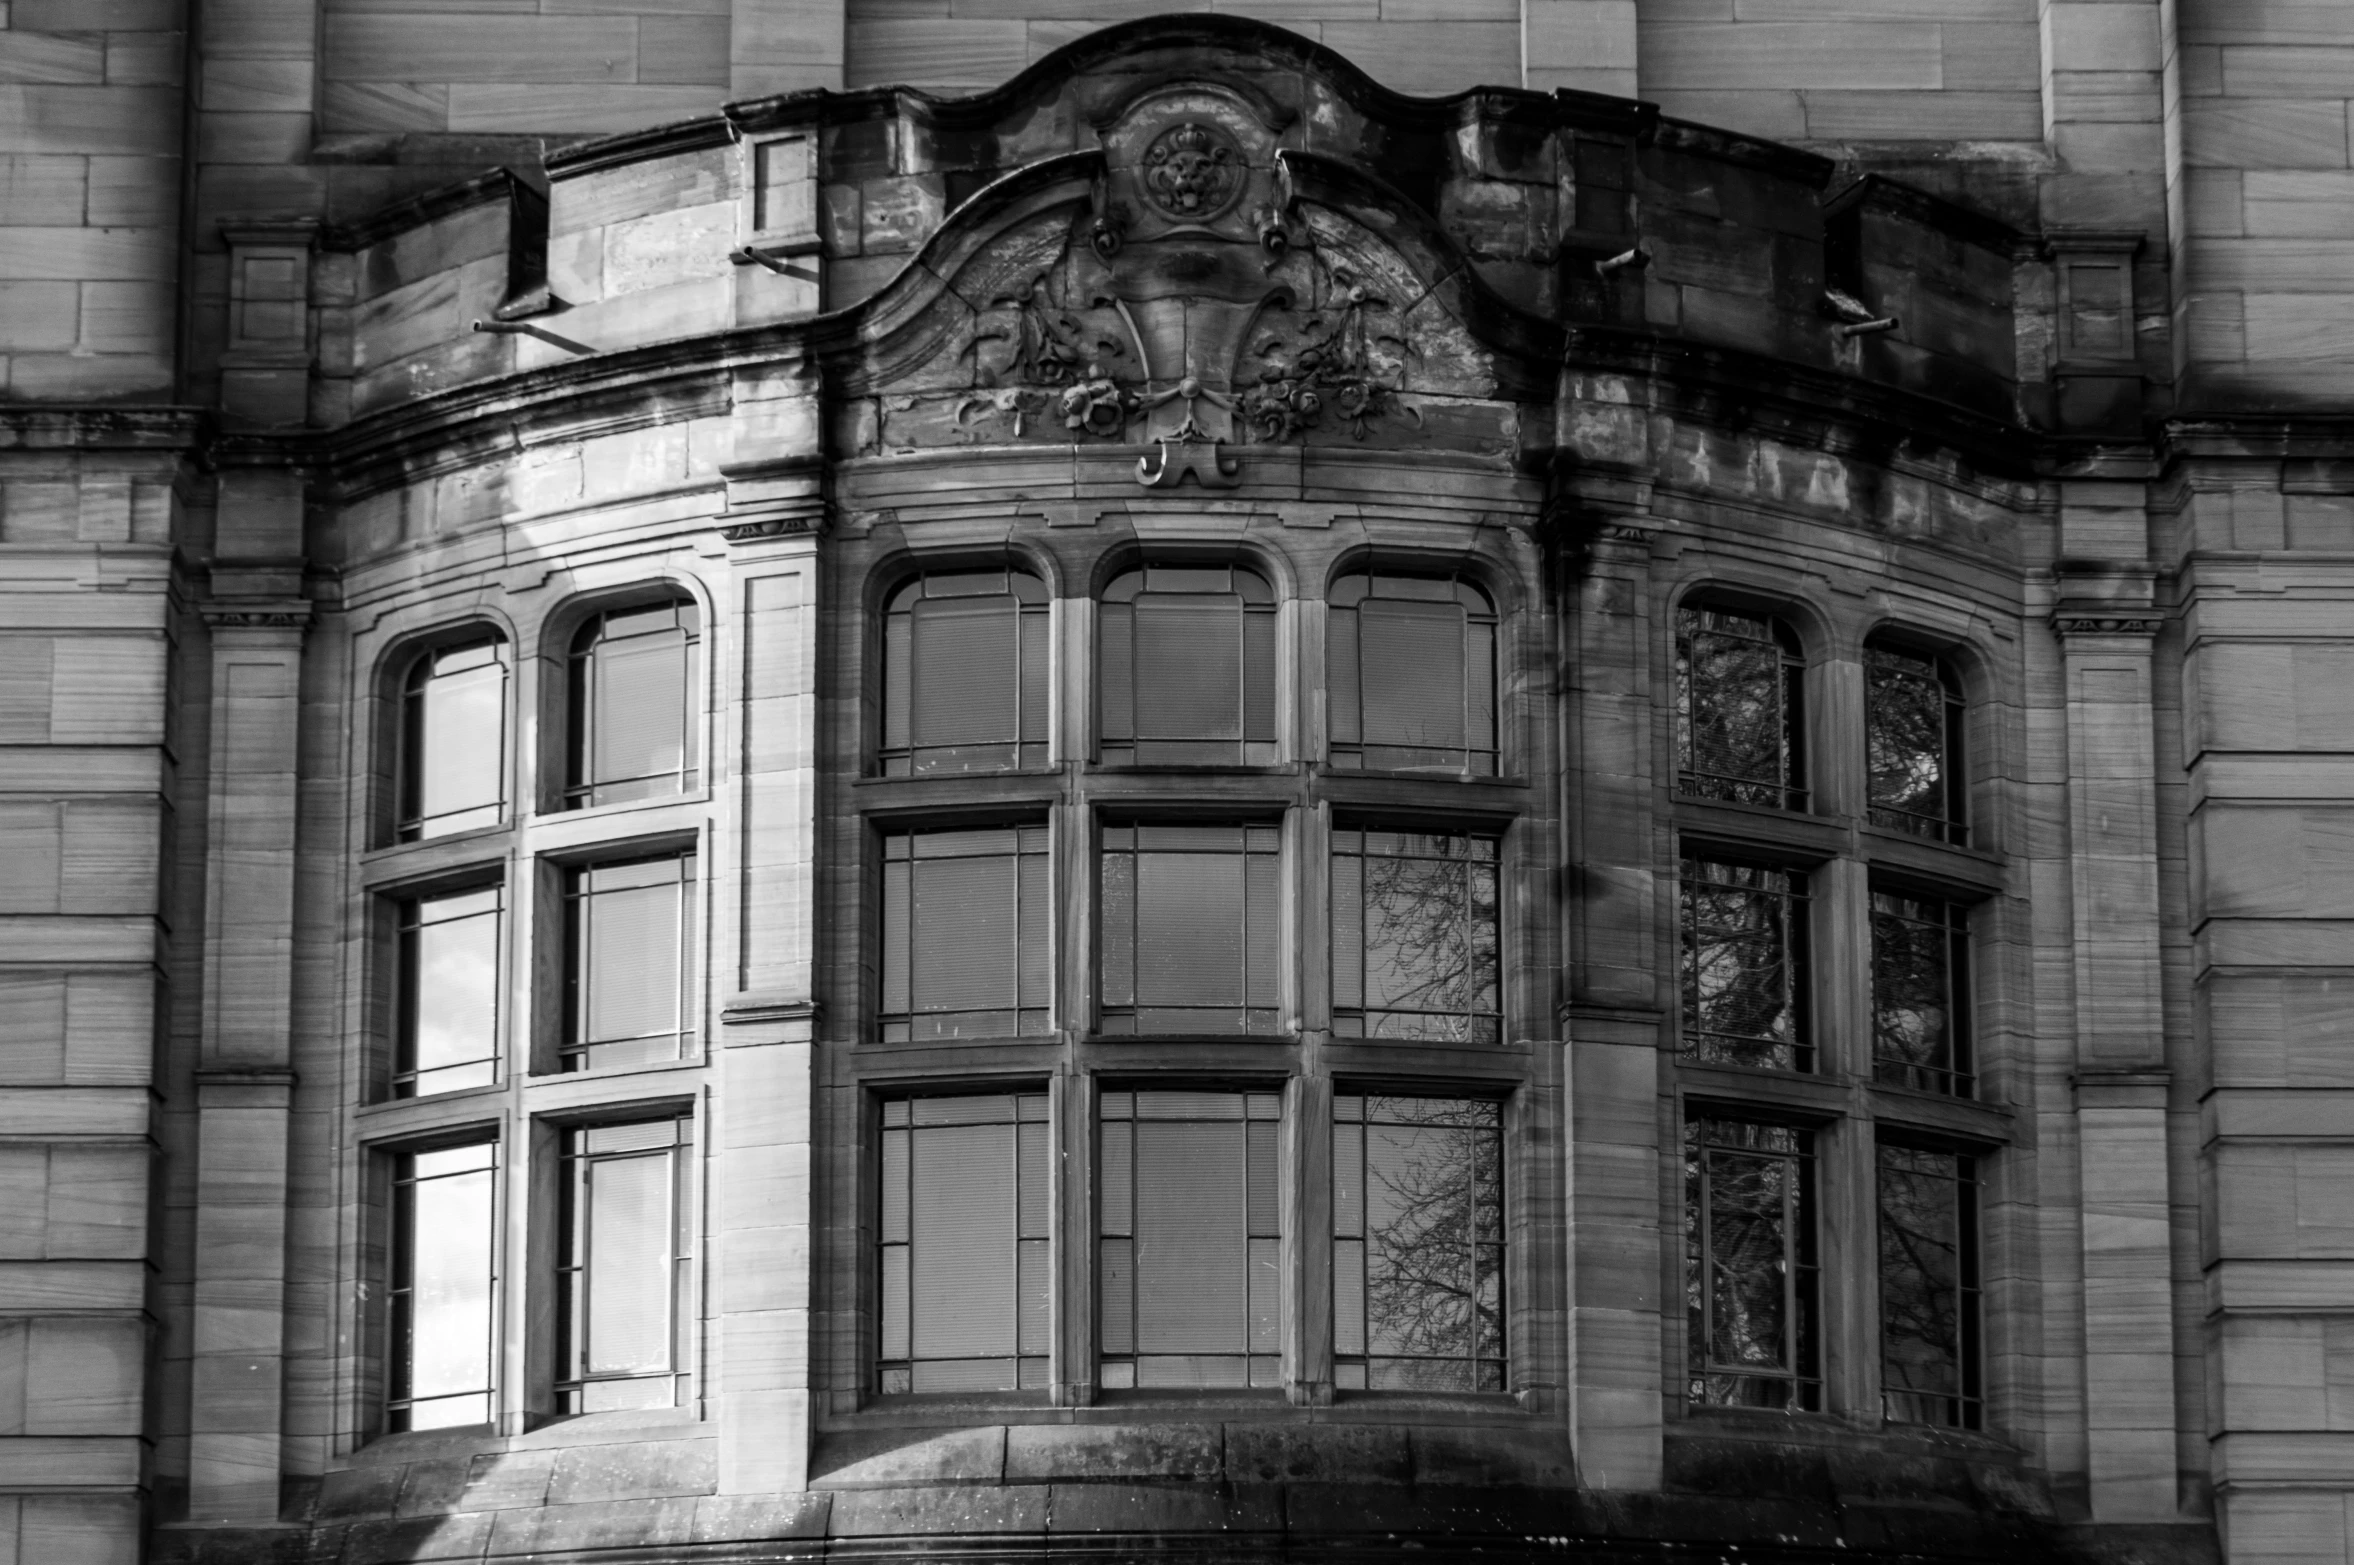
pixel 965 673
pixel 453 753
pixel 636 722
pixel 1913 743
pixel 1411 672
pixel 1188 667
pixel 1740 715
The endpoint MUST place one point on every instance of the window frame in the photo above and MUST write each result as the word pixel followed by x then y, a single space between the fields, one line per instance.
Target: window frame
pixel 557 1215
pixel 403 740
pixel 565 720
pixel 1798 954
pixel 385 1161
pixel 1954 828
pixel 1271 750
pixel 395 909
pixel 556 994
pixel 1796 789
pixel 1373 572
pixel 1807 1341
pixel 878 750
pixel 1968 1403
pixel 1248 820
pixel 1344 819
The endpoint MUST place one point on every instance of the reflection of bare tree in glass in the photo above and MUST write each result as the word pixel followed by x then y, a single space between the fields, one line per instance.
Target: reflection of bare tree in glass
pixel 1749 1265
pixel 1920 1284
pixel 1905 740
pixel 1433 1283
pixel 1911 1027
pixel 1742 949
pixel 1735 708
pixel 1430 938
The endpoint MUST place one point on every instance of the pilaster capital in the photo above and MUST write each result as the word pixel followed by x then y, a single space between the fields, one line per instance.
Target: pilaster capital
pixel 256 614
pixel 777 498
pixel 2068 624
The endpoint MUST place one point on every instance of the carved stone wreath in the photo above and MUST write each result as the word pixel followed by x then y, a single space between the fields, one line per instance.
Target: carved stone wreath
pixel 1193 171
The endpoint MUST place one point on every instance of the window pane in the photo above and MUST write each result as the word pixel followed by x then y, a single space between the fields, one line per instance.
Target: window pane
pixel 1737 708
pixel 1188 668
pixel 449 993
pixel 1412 675
pixel 1189 929
pixel 1418 1300
pixel 629 962
pixel 966 951
pixel 635 675
pixel 443 1287
pixel 454 753
pixel 1913 723
pixel 624 1265
pixel 1920 988
pixel 1744 980
pixel 1190 1286
pixel 1414 932
pixel 965 674
pixel 1929 1357
pixel 1750 1273
pixel 967 1284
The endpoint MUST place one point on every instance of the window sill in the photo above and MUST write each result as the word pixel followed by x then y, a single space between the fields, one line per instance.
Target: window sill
pixel 457 859
pixel 404 1119
pixel 1753 828
pixel 1508 780
pixel 1159 769
pixel 1944 867
pixel 1970 1120
pixel 1820 1099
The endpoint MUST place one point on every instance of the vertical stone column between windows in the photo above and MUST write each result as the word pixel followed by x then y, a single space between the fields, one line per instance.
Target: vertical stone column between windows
pixel 244 1083
pixel 2105 628
pixel 763 886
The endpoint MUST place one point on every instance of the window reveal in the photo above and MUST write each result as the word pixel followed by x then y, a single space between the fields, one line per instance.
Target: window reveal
pixel 1920 993
pixel 1189 1262
pixel 636 720
pixel 1745 965
pixel 1739 708
pixel 1929 1345
pixel 629 962
pixel 965 668
pixel 1414 936
pixel 1913 744
pixel 967 918
pixel 1187 674
pixel 1417 1244
pixel 1750 1266
pixel 625 1236
pixel 453 773
pixel 966 1284
pixel 1412 675
pixel 443 1294
pixel 1189 919
pixel 446 1032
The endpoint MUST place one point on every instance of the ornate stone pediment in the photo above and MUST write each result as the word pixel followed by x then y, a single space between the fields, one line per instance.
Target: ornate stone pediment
pixel 1194 284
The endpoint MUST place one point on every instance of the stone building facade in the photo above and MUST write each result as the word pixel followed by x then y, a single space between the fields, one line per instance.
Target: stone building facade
pixel 1562 778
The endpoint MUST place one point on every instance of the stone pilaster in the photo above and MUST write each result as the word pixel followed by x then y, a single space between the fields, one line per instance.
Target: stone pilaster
pixel 257 617
pixel 2106 621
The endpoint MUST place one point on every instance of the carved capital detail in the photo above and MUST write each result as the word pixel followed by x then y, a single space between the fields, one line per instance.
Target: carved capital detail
pixel 276 616
pixel 2106 625
pixel 768 527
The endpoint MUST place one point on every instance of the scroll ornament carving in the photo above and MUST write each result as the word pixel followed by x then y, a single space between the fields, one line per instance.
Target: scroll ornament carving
pixel 1326 363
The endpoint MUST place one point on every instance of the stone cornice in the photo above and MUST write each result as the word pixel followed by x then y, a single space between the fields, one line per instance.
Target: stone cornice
pixel 65 427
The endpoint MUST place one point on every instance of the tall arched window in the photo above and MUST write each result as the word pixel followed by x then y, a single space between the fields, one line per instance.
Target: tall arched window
pixel 453 771
pixel 636 722
pixel 1740 713
pixel 1411 673
pixel 1913 743
pixel 1188 667
pixel 965 673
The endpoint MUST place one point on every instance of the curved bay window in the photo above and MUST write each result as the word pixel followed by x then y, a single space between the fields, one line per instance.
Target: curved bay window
pixel 1187 668
pixel 1740 708
pixel 1414 935
pixel 965 670
pixel 453 747
pixel 635 725
pixel 1913 714
pixel 1411 674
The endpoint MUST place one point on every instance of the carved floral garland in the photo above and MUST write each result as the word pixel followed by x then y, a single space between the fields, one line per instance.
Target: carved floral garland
pixel 1331 365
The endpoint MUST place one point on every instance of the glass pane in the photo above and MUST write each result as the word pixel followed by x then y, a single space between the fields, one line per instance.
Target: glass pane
pixel 1744 976
pixel 1189 667
pixel 1750 1276
pixel 450 992
pixel 633 962
pixel 1414 676
pixel 1200 1285
pixel 966 916
pixel 966 1293
pixel 966 672
pixel 443 1286
pixel 1917 1011
pixel 1188 933
pixel 638 712
pixel 1735 717
pixel 629 1264
pixel 1908 727
pixel 456 740
pixel 1928 1287
pixel 1342 678
pixel 1415 937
